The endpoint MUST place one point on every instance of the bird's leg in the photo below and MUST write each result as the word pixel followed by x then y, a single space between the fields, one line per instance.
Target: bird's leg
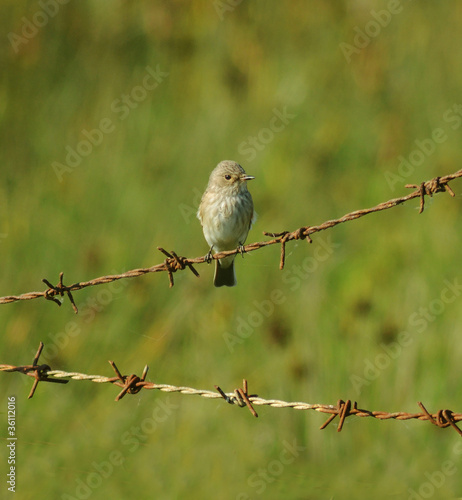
pixel 241 249
pixel 208 256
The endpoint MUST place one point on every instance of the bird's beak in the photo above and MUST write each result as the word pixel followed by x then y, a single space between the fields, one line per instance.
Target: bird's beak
pixel 247 177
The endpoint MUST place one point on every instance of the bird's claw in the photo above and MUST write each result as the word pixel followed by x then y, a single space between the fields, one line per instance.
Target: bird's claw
pixel 208 256
pixel 241 249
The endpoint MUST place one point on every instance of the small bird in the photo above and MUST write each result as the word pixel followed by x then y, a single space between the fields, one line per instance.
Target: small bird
pixel 226 214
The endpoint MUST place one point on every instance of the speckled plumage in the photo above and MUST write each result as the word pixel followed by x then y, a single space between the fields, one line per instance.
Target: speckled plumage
pixel 226 214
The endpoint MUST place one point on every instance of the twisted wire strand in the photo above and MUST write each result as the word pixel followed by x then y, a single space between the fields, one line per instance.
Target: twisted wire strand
pixel 133 384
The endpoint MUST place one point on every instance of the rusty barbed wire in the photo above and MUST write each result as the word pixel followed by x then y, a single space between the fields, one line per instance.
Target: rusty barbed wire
pixel 174 262
pixel 132 384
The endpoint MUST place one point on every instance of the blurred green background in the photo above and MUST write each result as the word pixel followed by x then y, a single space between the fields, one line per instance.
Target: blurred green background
pixel 166 90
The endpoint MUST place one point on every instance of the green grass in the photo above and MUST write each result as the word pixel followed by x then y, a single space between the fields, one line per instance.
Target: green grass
pixel 138 189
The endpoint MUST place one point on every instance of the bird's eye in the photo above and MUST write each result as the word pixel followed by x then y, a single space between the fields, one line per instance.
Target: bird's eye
pixel 227 177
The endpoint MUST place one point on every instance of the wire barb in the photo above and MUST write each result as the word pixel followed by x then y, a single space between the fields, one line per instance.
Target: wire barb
pixel 175 263
pixel 240 397
pixel 38 372
pixel 131 384
pixel 243 396
pixel 444 418
pixel 59 289
pixel 429 188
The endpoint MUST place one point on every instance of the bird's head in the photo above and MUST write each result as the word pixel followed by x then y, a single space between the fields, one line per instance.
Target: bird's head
pixel 229 175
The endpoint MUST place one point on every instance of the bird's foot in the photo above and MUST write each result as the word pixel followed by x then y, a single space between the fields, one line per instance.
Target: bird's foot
pixel 241 249
pixel 208 256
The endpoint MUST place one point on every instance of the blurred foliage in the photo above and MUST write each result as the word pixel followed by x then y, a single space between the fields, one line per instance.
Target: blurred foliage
pixel 228 69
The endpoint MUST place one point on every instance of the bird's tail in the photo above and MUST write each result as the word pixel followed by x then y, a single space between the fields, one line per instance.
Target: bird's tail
pixel 224 276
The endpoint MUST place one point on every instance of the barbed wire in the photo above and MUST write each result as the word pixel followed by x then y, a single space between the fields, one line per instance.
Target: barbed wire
pixel 174 262
pixel 132 384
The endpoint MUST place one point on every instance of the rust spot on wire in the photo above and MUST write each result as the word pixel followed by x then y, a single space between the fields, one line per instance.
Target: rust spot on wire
pixel 429 188
pixel 38 372
pixel 283 250
pixel 131 384
pixel 444 418
pixel 343 410
pixel 241 397
pixel 59 289
pixel 174 263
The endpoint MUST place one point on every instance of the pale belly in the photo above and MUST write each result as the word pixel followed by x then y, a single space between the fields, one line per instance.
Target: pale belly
pixel 228 225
